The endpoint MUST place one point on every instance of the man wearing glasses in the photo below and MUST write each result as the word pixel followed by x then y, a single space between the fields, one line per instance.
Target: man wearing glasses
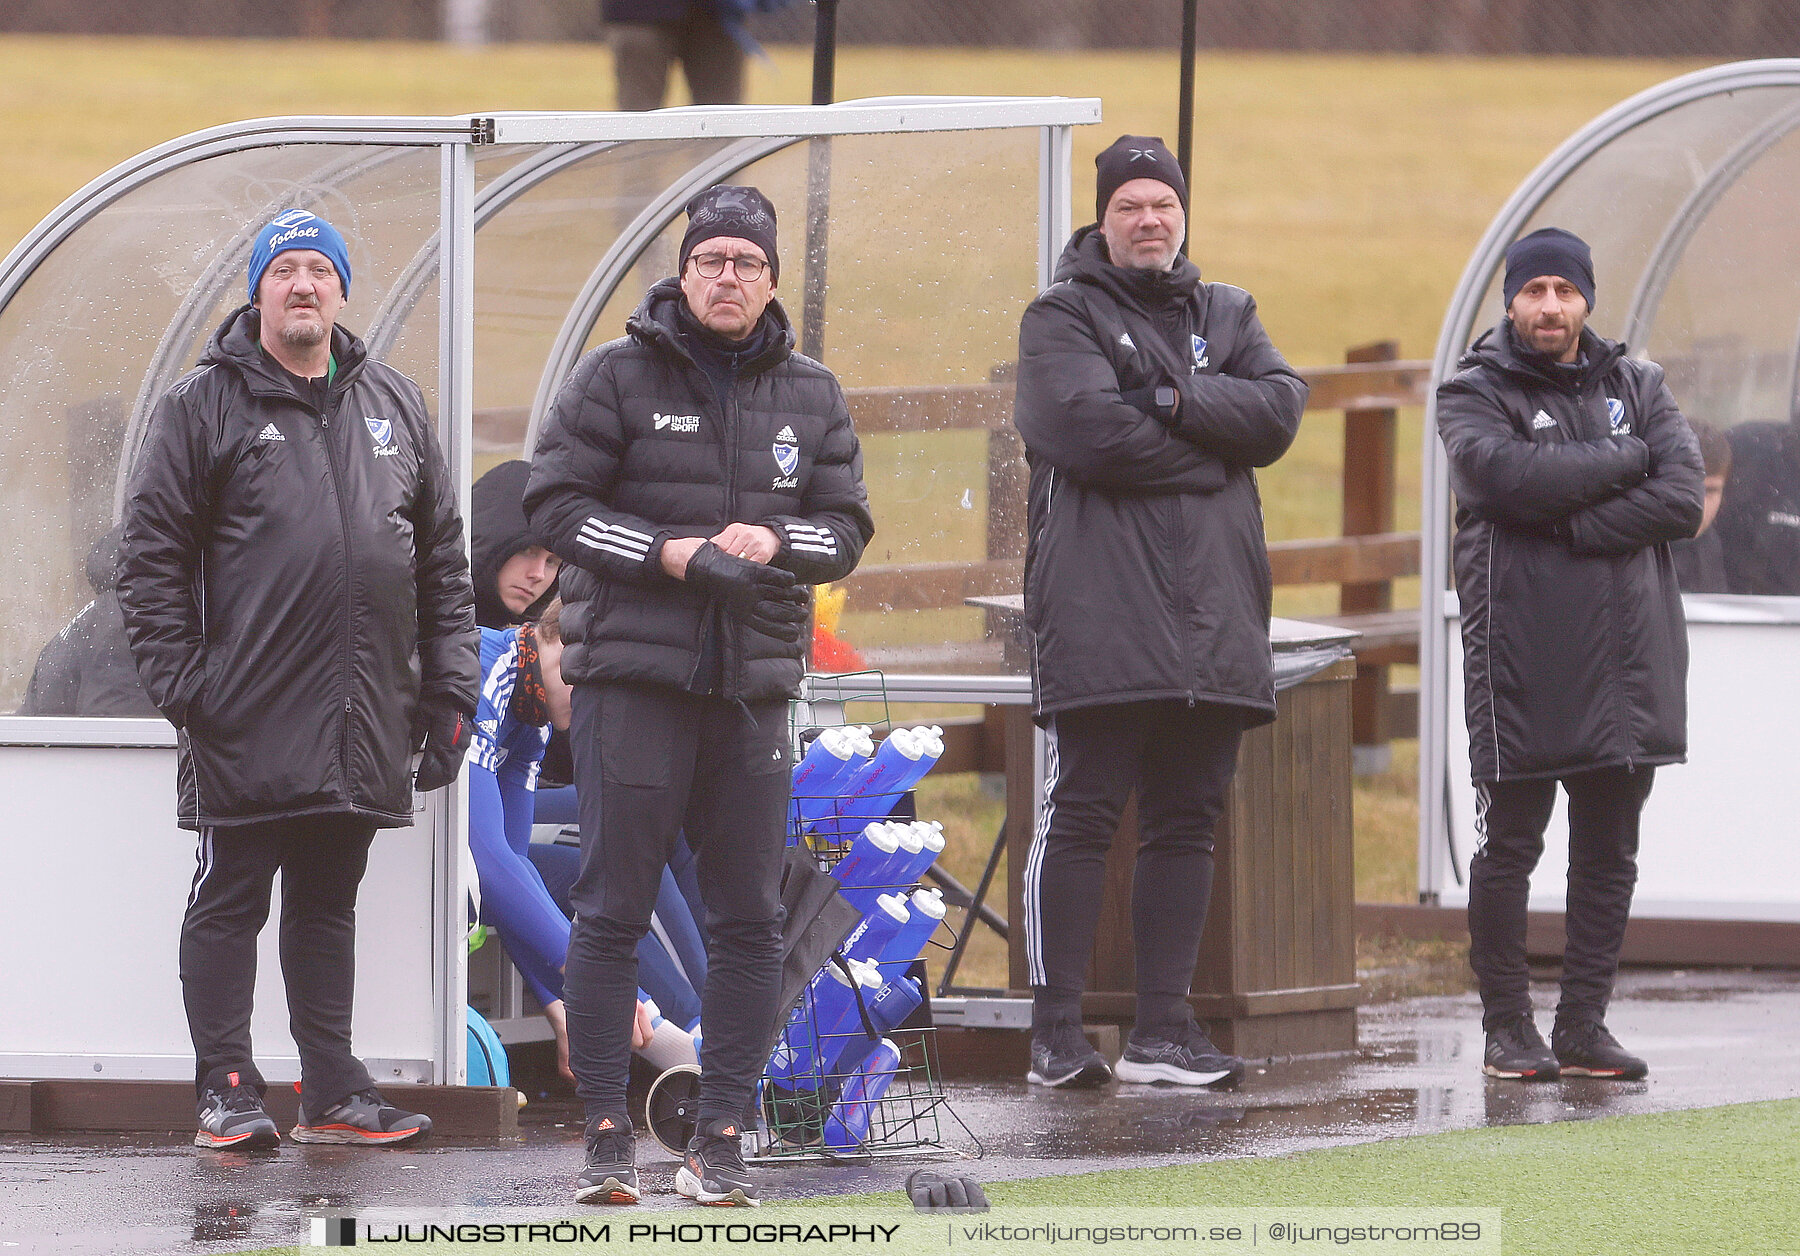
pixel 694 477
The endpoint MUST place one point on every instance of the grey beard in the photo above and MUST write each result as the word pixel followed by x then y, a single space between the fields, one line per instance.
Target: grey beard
pixel 303 335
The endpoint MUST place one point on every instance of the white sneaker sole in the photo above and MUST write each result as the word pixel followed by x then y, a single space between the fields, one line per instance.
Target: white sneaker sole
pixel 1093 1073
pixel 690 1187
pixel 352 1136
pixel 1137 1071
pixel 611 1191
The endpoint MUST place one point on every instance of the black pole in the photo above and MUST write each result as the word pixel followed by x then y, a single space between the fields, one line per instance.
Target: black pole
pixel 1184 142
pixel 818 184
pixel 824 51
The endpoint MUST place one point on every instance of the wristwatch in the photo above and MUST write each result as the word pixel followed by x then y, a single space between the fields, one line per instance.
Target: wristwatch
pixel 1167 401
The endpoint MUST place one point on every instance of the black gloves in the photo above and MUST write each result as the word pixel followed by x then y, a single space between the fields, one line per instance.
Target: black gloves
pixel 766 599
pixel 445 732
pixel 934 1191
pixel 1162 403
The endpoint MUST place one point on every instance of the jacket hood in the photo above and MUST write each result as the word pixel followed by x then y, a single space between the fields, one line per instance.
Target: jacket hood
pixel 498 530
pixel 1499 349
pixel 1085 260
pixel 657 323
pixel 237 344
pixel 103 559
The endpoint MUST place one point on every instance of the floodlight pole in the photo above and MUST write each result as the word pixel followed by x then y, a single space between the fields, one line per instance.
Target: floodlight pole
pixel 1184 132
pixel 818 183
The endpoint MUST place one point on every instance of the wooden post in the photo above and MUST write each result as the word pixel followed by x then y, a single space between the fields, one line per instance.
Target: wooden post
pixel 1369 452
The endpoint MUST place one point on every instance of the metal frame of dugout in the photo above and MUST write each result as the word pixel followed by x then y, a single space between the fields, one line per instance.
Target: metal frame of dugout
pixel 1684 193
pixel 90 989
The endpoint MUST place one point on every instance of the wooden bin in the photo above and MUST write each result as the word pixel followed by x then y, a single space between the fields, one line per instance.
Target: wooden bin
pixel 1277 968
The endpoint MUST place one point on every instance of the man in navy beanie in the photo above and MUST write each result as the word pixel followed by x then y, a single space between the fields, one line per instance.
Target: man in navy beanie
pixel 1574 472
pixel 1146 400
pixel 297 600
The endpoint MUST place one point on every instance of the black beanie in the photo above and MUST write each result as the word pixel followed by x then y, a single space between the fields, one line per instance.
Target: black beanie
pixel 1135 157
pixel 726 210
pixel 1548 251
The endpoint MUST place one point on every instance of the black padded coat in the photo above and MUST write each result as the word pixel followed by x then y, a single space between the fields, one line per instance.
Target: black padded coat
pixel 1146 572
pixel 293 580
pixel 638 450
pixel 1570 484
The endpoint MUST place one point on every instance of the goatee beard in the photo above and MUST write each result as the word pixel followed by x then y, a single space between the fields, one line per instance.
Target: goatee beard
pixel 303 335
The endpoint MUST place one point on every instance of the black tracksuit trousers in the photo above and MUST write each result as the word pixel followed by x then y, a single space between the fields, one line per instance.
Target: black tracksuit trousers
pixel 651 761
pixel 1510 818
pixel 321 860
pixel 1180 759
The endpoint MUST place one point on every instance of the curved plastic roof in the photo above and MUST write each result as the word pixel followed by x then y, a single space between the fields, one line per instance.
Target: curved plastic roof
pixel 489 251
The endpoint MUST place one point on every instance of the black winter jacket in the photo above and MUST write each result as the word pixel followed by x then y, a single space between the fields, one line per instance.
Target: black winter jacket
pixel 86 669
pixel 1570 484
pixel 1146 573
pixel 1759 518
pixel 293 582
pixel 638 450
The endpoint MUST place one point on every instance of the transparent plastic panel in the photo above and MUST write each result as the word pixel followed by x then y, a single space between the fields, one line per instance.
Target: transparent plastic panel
pixel 125 305
pixel 929 258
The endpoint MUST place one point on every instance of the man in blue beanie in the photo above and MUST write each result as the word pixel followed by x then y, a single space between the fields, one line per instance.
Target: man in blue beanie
pixel 297 600
pixel 1573 471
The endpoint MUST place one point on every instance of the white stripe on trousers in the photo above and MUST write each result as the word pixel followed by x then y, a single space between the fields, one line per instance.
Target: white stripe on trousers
pixel 203 858
pixel 1483 799
pixel 1034 864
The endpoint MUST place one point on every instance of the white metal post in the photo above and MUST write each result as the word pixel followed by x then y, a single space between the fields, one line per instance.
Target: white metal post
pixel 1055 202
pixel 456 375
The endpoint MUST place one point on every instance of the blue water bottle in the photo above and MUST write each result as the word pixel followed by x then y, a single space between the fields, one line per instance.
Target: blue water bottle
pixel 873 933
pixel 893 1003
pixel 924 909
pixel 923 844
pixel 834 763
pixel 848 1123
pixel 865 871
pixel 826 1012
pixel 899 764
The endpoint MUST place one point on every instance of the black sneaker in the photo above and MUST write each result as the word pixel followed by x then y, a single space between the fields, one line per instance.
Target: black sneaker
pixel 610 1176
pixel 234 1118
pixel 365 1119
pixel 713 1171
pixel 1516 1049
pixel 1586 1049
pixel 1185 1056
pixel 1062 1056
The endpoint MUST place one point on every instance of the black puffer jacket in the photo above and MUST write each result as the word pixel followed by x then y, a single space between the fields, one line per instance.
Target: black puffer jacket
pixel 86 669
pixel 1570 483
pixel 1759 519
pixel 1146 573
pixel 293 581
pixel 638 450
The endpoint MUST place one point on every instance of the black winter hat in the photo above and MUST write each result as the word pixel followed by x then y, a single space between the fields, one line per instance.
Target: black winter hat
pixel 1135 157
pixel 1548 251
pixel 728 210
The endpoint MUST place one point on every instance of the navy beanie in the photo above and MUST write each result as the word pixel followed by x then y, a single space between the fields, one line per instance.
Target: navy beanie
pixel 727 210
pixel 1548 251
pixel 298 229
pixel 1135 157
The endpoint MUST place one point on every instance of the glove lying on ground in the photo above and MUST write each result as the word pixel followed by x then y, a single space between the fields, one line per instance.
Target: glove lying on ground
pixel 761 597
pixel 445 732
pixel 934 1191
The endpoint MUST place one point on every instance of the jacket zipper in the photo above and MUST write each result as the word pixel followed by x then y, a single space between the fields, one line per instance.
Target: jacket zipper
pixel 337 491
pixel 732 665
pixel 1181 625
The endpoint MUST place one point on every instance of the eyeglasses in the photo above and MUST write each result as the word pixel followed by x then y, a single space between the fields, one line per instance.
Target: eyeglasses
pixel 712 265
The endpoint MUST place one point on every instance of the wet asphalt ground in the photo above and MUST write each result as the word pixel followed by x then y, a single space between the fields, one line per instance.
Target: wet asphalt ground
pixel 1711 1037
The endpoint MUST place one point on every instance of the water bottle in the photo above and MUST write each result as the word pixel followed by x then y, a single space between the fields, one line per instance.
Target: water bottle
pixel 827 1010
pixel 923 912
pixel 900 762
pixel 825 769
pixel 893 1003
pixel 863 874
pixel 923 844
pixel 670 1045
pixel 872 935
pixel 848 1123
